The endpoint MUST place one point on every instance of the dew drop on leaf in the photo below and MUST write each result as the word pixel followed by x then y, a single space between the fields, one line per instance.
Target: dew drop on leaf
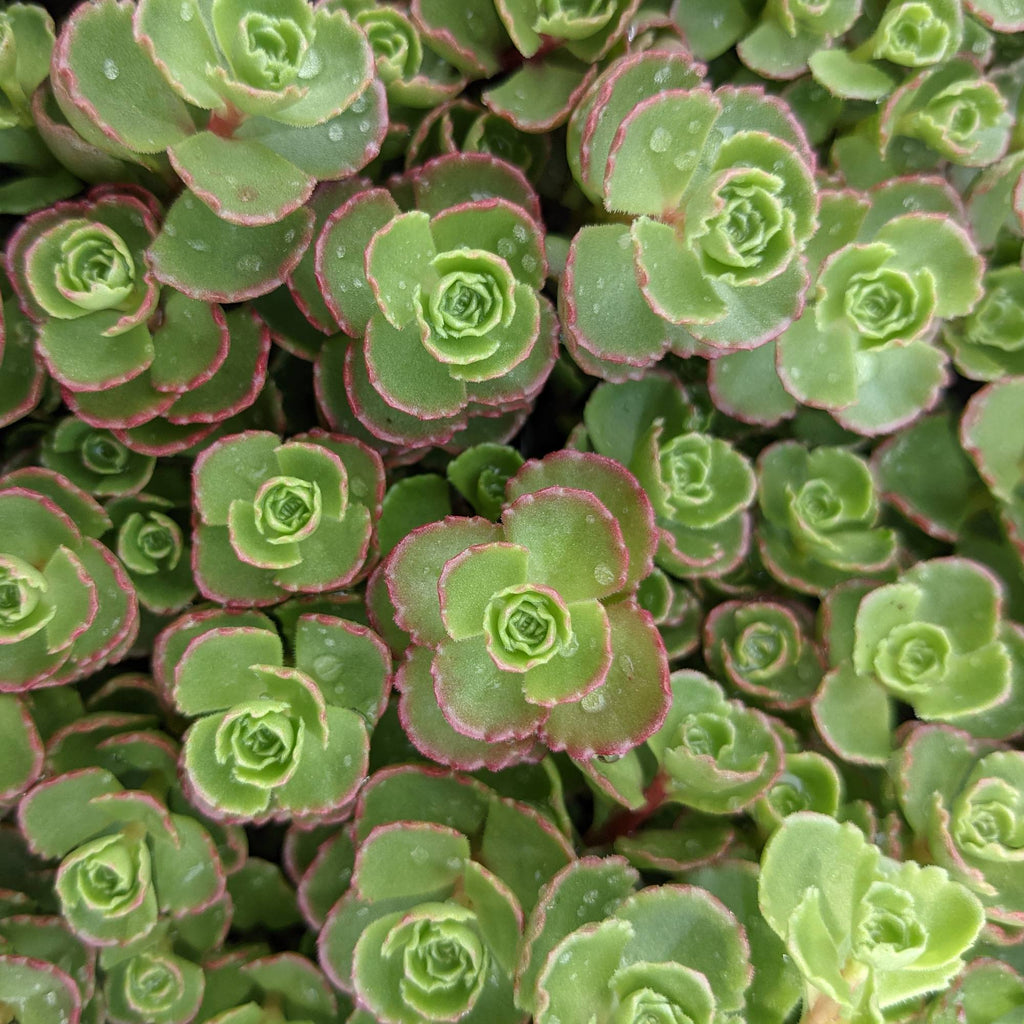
pixel 660 140
pixel 110 69
pixel 185 11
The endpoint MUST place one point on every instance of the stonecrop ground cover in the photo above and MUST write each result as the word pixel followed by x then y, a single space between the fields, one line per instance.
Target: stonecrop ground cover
pixel 512 512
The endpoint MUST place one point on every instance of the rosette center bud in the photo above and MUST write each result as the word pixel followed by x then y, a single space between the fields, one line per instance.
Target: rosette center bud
pixel 274 48
pixel 706 734
pixel 888 932
pixel 913 36
pixel 471 298
pixel 287 509
pixel 818 505
pixel 988 822
pixel 149 542
pixel 750 216
pixel 685 469
pixel 94 269
pixel 998 321
pixel 103 454
pixel 152 983
pixel 110 873
pixel 445 965
pixel 646 1006
pixel 394 42
pixel 21 590
pixel 761 648
pixel 913 656
pixel 881 304
pixel 261 742
pixel 526 626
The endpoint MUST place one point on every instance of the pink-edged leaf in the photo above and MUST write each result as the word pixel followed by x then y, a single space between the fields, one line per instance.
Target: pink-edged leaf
pixel 432 734
pixel 413 568
pixel 242 182
pixel 406 375
pixel 385 421
pixel 631 703
pixel 108 77
pixel 210 259
pixel 340 255
pixel 575 544
pixel 457 178
pixel 540 96
pixel 479 699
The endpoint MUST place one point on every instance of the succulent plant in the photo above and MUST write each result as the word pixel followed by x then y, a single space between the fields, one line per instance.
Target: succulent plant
pixel 272 741
pixel 523 610
pixel 867 932
pixel 277 518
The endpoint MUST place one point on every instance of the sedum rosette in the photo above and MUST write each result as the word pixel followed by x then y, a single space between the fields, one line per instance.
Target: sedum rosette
pixel 964 800
pixel 279 82
pixel 596 951
pixel 720 184
pixel 447 307
pixel 274 519
pixel 911 641
pixel 126 859
pixel 528 629
pixel 820 512
pixel 890 269
pixel 699 485
pixel 866 931
pixel 67 607
pixel 272 741
pixel 154 364
pixel 442 870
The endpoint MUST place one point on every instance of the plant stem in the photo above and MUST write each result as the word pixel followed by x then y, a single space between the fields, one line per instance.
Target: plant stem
pixel 627 822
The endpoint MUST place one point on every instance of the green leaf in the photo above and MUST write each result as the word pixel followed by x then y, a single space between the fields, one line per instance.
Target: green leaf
pixel 242 182
pixel 410 859
pixel 208 258
pixel 654 157
pixel 854 716
pixel 202 685
pixel 671 276
pixel 398 263
pixel 111 79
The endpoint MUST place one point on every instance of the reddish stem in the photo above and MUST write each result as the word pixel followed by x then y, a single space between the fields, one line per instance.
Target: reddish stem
pixel 224 122
pixel 627 822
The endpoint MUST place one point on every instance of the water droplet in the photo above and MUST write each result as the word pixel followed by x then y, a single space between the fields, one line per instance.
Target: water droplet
pixel 186 12
pixel 594 701
pixel 110 69
pixel 604 575
pixel 519 232
pixel 661 76
pixel 564 958
pixel 311 66
pixel 335 132
pixel 529 264
pixel 346 761
pixel 660 140
pixel 590 896
pixel 326 667
pixel 358 104
pixel 289 235
pixel 249 264
pixel 340 252
pixel 364 127
pixel 196 244
pixel 402 286
pixel 419 855
pixel 626 665
pixel 506 247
